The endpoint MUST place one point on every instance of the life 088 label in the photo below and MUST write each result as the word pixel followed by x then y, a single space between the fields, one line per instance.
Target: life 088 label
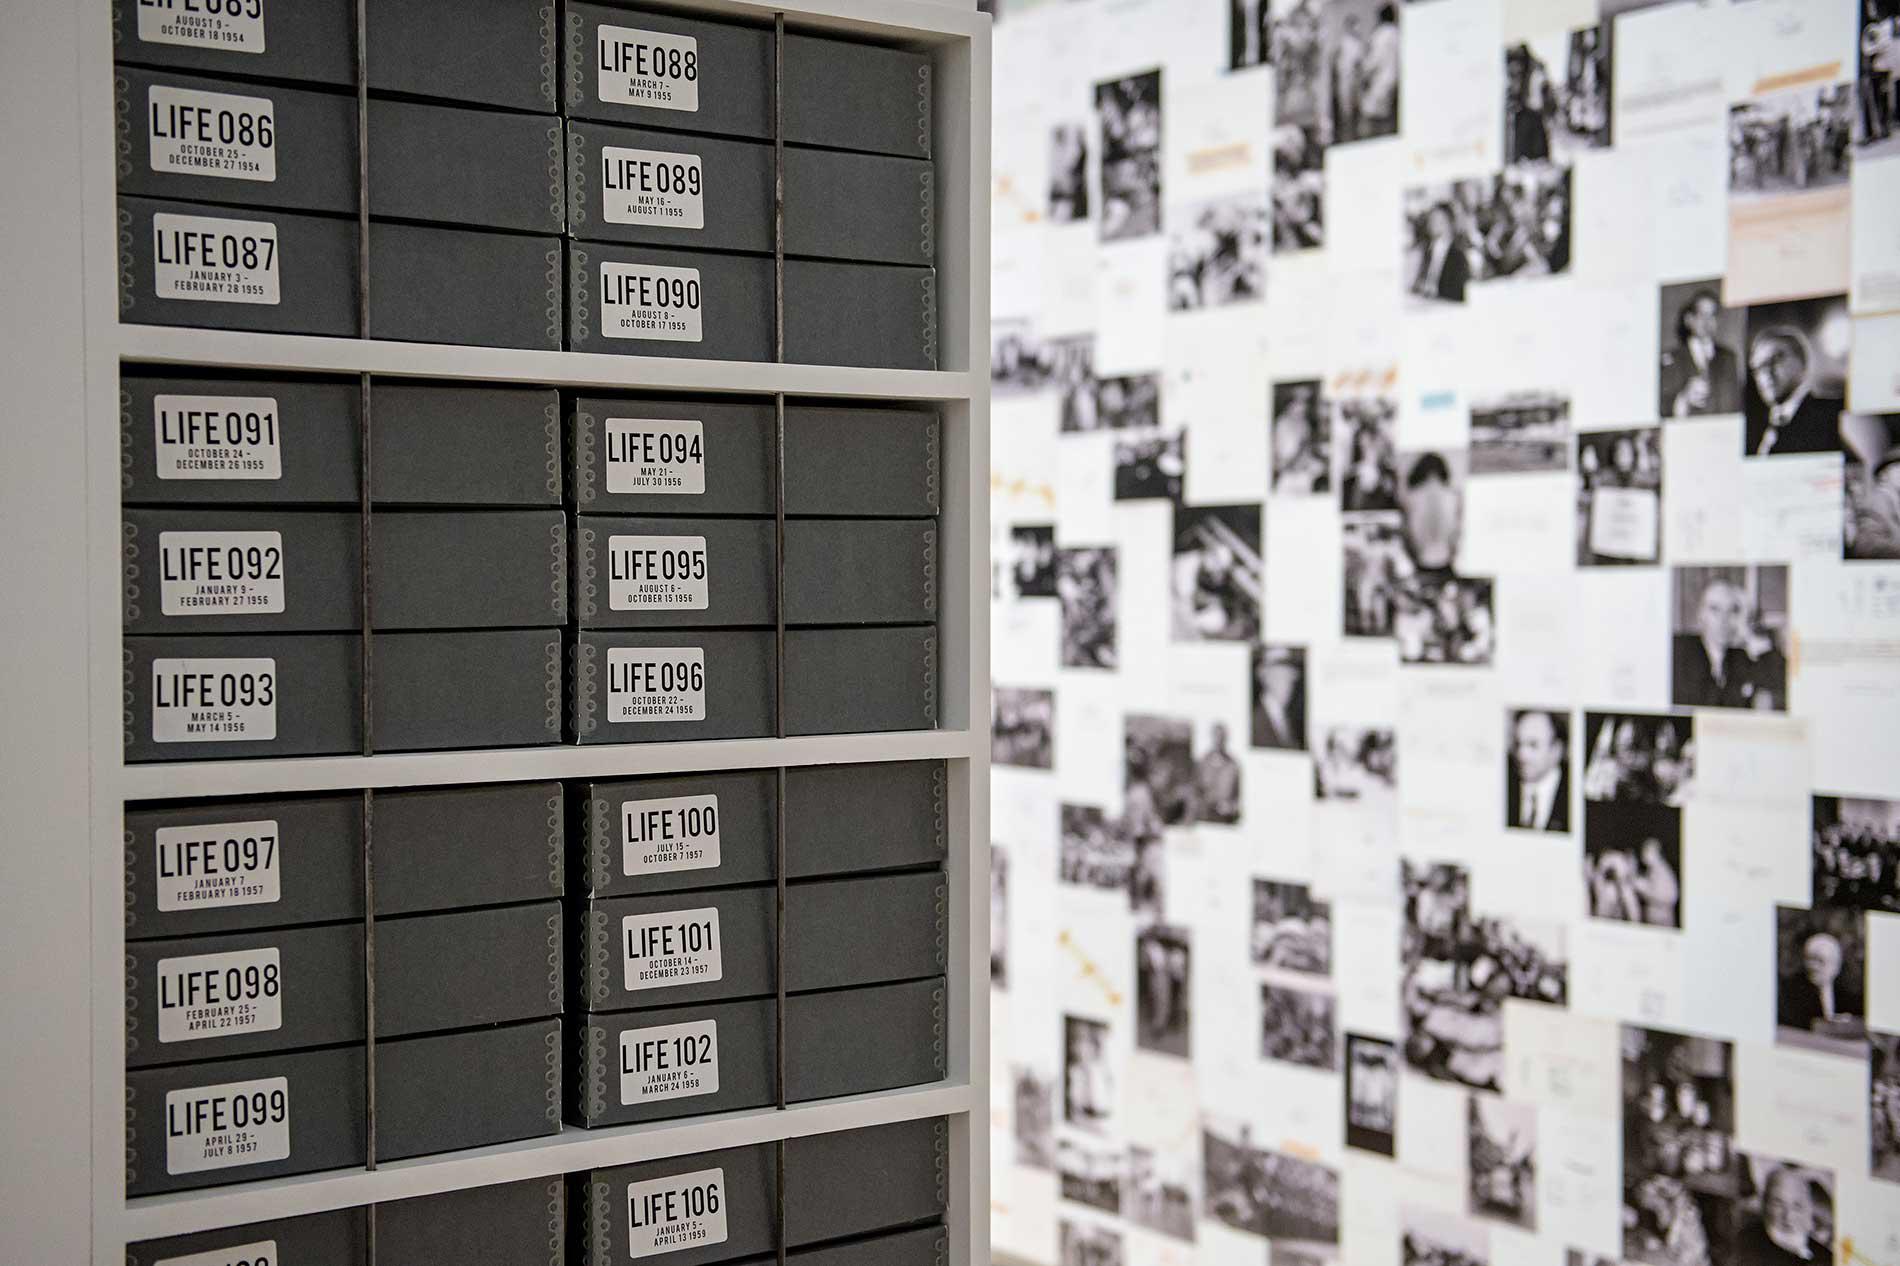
pixel 651 186
pixel 256 1253
pixel 669 1061
pixel 664 456
pixel 657 573
pixel 658 837
pixel 220 995
pixel 671 947
pixel 214 700
pixel 209 259
pixel 221 573
pixel 650 301
pixel 216 437
pixel 656 683
pixel 217 866
pixel 220 134
pixel 665 1215
pixel 647 68
pixel 233 26
pixel 236 1123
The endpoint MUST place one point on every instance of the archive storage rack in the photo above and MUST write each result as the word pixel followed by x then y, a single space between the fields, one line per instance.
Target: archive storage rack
pixel 66 779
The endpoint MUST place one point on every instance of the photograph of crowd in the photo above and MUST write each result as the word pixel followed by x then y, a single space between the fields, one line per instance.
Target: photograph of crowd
pixel 1150 467
pixel 1096 853
pixel 1373 563
pixel 1090 1245
pixel 1160 1192
pixel 1791 140
pixel 1360 48
pixel 1158 773
pixel 1216 576
pixel 1128 113
pixel 1302 440
pixel 1501 1160
pixel 1292 930
pixel 1299 189
pixel 1537 770
pixel 1279 698
pixel 1022 727
pixel 1871 485
pixel 1728 649
pixel 1281 1198
pixel 1444 619
pixel 1428 1237
pixel 1632 863
pixel 1821 979
pixel 1514 224
pixel 1797 376
pixel 1297 1026
pixel 1857 853
pixel 1619 497
pixel 1372 1094
pixel 1638 759
pixel 1032 560
pixel 1356 763
pixel 1519 432
pixel 1217 252
pixel 1089 1171
pixel 1034 1100
pixel 1700 370
pixel 1068 173
pixel 1557 95
pixel 1678 1153
pixel 1162 965
pixel 1086 586
pixel 1128 402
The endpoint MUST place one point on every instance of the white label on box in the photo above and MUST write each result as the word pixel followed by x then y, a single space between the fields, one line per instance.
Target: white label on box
pixel 236 1123
pixel 649 301
pixel 209 259
pixel 220 995
pixel 665 1215
pixel 669 1061
pixel 670 947
pixel 652 186
pixel 665 835
pixel 231 26
pixel 656 455
pixel 221 573
pixel 216 437
pixel 219 134
pixel 656 683
pixel 256 1253
pixel 214 700
pixel 648 68
pixel 217 866
pixel 657 573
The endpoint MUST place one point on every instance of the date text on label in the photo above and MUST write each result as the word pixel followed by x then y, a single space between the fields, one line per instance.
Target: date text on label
pixel 656 455
pixel 217 134
pixel 214 700
pixel 647 68
pixel 669 1061
pixel 236 1123
pixel 674 833
pixel 650 301
pixel 221 573
pixel 665 1215
pixel 220 995
pixel 216 437
pixel 217 866
pixel 232 26
pixel 670 947
pixel 208 259
pixel 656 683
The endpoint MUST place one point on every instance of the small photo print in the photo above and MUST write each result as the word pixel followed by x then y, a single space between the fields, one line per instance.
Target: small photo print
pixel 1432 509
pixel 1430 1237
pixel 1129 114
pixel 1501 1160
pixel 1089 1171
pixel 1374 564
pixel 1857 853
pixel 1639 759
pixel 1443 619
pixel 1302 440
pixel 1356 763
pixel 1160 1192
pixel 1086 585
pixel 1444 239
pixel 1150 467
pixel 1022 727
pixel 1729 648
pixel 1700 366
pixel 1290 1202
pixel 1095 852
pixel 1372 1094
pixel 1217 779
pixel 1821 980
pixel 1147 885
pixel 1217 253
pixel 1128 402
pixel 1090 1083
pixel 1068 173
pixel 1557 95
pixel 999 916
pixel 1032 560
pixel 1784 1213
pixel 1361 41
pixel 1529 223
pixel 1299 189
pixel 1797 376
pixel 1520 432
pixel 1162 977
pixel 1632 863
pixel 1369 476
pixel 1883 1106
pixel 1877 121
pixel 1297 1026
pixel 1033 1095
pixel 1292 930
pixel 1019 363
pixel 1678 1156
pixel 1871 485
pixel 1071 368
pixel 1279 698
pixel 1158 772
pixel 1088 1245
pixel 1298 52
pixel 1790 141
pixel 1619 497
pixel 1249 33
pixel 1579 1257
pixel 1537 770
pixel 1217 574
pixel 1662 1212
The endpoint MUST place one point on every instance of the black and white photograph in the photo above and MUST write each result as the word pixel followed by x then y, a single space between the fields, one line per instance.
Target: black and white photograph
pixel 1034 1098
pixel 1302 439
pixel 1148 883
pixel 1821 980
pixel 1632 863
pixel 1444 619
pixel 1857 853
pixel 1032 560
pixel 1877 85
pixel 1520 432
pixel 1089 1171
pixel 1372 1094
pixel 1298 50
pixel 1501 1161
pixel 1217 794
pixel 1432 509
pixel 1249 33
pixel 1578 1257
pixel 1279 698
pixel 1797 376
pixel 1670 1219
pixel 999 916
pixel 1090 1082
pixel 1160 1191
pixel 1373 565
pixel 1443 235
pixel 1870 487
pixel 1088 1245
pixel 1159 774
pixel 1019 362
pixel 1022 727
pixel 1095 852
pixel 1087 587
pixel 1071 369
pixel 1283 1199
pixel 1356 762
pixel 1557 95
pixel 1537 770
pixel 1299 189
pixel 1791 140
pixel 1678 1099
pixel 1217 576
pixel 1784 1212
pixel 1361 69
pixel 1729 647
pixel 1298 1026
pixel 1150 467
pixel 1128 112
pixel 1883 1106
pixel 1068 173
pixel 1163 979
pixel 1364 427
pixel 1217 252
pixel 1619 497
pixel 1638 758
pixel 1128 402
pixel 1526 225
pixel 1292 929
pixel 1700 366
pixel 1431 1237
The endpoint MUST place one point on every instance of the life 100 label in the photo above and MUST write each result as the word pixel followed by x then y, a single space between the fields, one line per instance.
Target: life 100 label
pixel 219 134
pixel 669 1061
pixel 657 573
pixel 232 26
pixel 214 700
pixel 220 995
pixel 256 1253
pixel 215 867
pixel 650 186
pixel 208 259
pixel 650 301
pixel 665 1215
pixel 656 683
pixel 647 68
pixel 216 437
pixel 670 947
pixel 221 573
pixel 236 1123
pixel 663 456
pixel 670 834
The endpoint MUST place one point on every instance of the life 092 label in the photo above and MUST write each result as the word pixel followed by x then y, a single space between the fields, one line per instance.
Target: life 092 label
pixel 670 947
pixel 216 437
pixel 236 1123
pixel 663 456
pixel 656 683
pixel 658 837
pixel 221 573
pixel 647 68
pixel 256 1253
pixel 208 259
pixel 651 186
pixel 216 867
pixel 232 26
pixel 220 995
pixel 657 573
pixel 665 1215
pixel 652 301
pixel 214 700
pixel 196 133
pixel 669 1061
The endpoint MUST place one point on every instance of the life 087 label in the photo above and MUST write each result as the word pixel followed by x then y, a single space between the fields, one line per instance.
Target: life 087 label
pixel 256 1253
pixel 232 26
pixel 665 1215
pixel 650 301
pixel 221 573
pixel 206 258
pixel 651 186
pixel 658 837
pixel 218 866
pixel 647 68
pixel 657 573
pixel 670 947
pixel 216 437
pixel 236 1123
pixel 656 455
pixel 214 700
pixel 220 995
pixel 656 683
pixel 220 134
pixel 669 1061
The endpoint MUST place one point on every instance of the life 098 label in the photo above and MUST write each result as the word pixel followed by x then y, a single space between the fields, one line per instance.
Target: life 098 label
pixel 670 834
pixel 656 683
pixel 651 186
pixel 665 1215
pixel 217 866
pixel 647 68
pixel 669 1061
pixel 220 134
pixel 221 573
pixel 664 456
pixel 657 573
pixel 236 1123
pixel 214 700
pixel 256 1253
pixel 220 995
pixel 216 437
pixel 233 26
pixel 650 301
pixel 670 947
pixel 206 258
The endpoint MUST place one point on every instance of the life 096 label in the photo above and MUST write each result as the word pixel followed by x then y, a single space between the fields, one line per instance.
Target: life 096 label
pixel 220 995
pixel 206 258
pixel 236 1123
pixel 216 437
pixel 657 573
pixel 670 834
pixel 647 68
pixel 220 134
pixel 670 947
pixel 650 301
pixel 214 700
pixel 656 683
pixel 650 186
pixel 221 573
pixel 665 1215
pixel 233 26
pixel 218 866
pixel 656 455
pixel 669 1061
pixel 256 1253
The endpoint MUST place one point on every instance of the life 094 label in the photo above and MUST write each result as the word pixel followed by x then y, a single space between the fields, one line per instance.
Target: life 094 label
pixel 656 455
pixel 236 1123
pixel 220 995
pixel 256 1253
pixel 665 1215
pixel 232 26
pixel 216 437
pixel 219 134
pixel 650 186
pixel 208 259
pixel 650 301
pixel 214 700
pixel 665 835
pixel 657 573
pixel 670 947
pixel 218 866
pixel 647 68
pixel 656 683
pixel 221 573
pixel 669 1061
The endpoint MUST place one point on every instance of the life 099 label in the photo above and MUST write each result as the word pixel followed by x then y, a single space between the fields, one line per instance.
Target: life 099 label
pixel 196 133
pixel 665 1215
pixel 234 26
pixel 220 995
pixel 656 683
pixel 650 301
pixel 216 437
pixel 206 258
pixel 670 834
pixel 216 867
pixel 650 186
pixel 670 947
pixel 221 573
pixel 236 1123
pixel 669 1061
pixel 214 700
pixel 664 456
pixel 647 68
pixel 657 573
pixel 256 1253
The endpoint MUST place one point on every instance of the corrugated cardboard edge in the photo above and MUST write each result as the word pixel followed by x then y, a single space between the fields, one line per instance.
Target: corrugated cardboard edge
pixel 585 594
pixel 576 180
pixel 129 569
pixel 550 57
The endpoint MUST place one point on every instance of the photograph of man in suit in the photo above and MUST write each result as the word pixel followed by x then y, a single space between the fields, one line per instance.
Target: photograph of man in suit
pixel 1699 374
pixel 1443 268
pixel 1710 669
pixel 1783 412
pixel 1279 709
pixel 1788 1228
pixel 1537 775
pixel 1817 1000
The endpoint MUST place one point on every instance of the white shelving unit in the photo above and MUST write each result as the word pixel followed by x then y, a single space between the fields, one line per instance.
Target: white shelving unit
pixel 62 775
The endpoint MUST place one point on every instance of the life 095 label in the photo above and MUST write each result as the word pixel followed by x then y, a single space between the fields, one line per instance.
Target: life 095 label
pixel 665 1215
pixel 221 573
pixel 656 455
pixel 220 134
pixel 648 68
pixel 206 258
pixel 236 1123
pixel 650 301
pixel 651 186
pixel 656 683
pixel 214 700
pixel 674 833
pixel 657 573
pixel 218 866
pixel 256 1253
pixel 670 947
pixel 220 995
pixel 216 437
pixel 669 1061
pixel 232 26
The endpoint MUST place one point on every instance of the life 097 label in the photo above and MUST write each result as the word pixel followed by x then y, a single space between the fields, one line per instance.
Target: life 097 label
pixel 656 683
pixel 206 258
pixel 214 700
pixel 236 1123
pixel 233 26
pixel 650 186
pixel 675 833
pixel 665 1215
pixel 256 1253
pixel 669 1061
pixel 657 573
pixel 196 133
pixel 670 947
pixel 650 301
pixel 221 573
pixel 664 456
pixel 647 68
pixel 216 867
pixel 220 995
pixel 216 437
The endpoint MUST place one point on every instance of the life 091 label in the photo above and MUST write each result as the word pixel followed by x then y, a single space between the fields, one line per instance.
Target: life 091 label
pixel 256 1253
pixel 670 947
pixel 233 26
pixel 669 1061
pixel 220 995
pixel 664 456
pixel 647 68
pixel 675 833
pixel 217 866
pixel 221 573
pixel 657 573
pixel 206 258
pixel 651 186
pixel 236 1123
pixel 665 1215
pixel 214 700
pixel 656 683
pixel 220 134
pixel 650 301
pixel 216 437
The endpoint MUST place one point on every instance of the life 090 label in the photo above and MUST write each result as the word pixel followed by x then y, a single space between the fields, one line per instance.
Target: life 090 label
pixel 220 995
pixel 656 683
pixel 647 68
pixel 214 700
pixel 670 834
pixel 256 1253
pixel 665 1215
pixel 669 1061
pixel 221 573
pixel 217 866
pixel 232 26
pixel 651 186
pixel 670 947
pixel 206 258
pixel 236 1123
pixel 219 134
pixel 657 573
pixel 216 437
pixel 656 455
pixel 650 301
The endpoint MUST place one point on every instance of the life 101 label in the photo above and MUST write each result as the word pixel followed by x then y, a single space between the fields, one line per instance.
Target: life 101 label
pixel 647 68
pixel 656 683
pixel 221 573
pixel 670 947
pixel 218 1127
pixel 216 867
pixel 665 1215
pixel 220 995
pixel 209 259
pixel 214 700
pixel 650 186
pixel 233 26
pixel 657 573
pixel 670 834
pixel 669 1061
pixel 650 301
pixel 256 1253
pixel 219 134
pixel 656 455
pixel 216 437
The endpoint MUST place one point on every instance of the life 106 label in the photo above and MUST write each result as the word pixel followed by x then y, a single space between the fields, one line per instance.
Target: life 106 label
pixel 232 26
pixel 236 1123
pixel 650 301
pixel 657 573
pixel 670 834
pixel 656 683
pixel 216 867
pixel 665 1215
pixel 650 186
pixel 221 573
pixel 656 455
pixel 214 700
pixel 219 134
pixel 216 437
pixel 209 259
pixel 647 68
pixel 669 1061
pixel 220 995
pixel 670 947
pixel 256 1253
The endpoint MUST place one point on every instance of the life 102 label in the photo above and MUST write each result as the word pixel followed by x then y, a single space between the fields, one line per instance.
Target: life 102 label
pixel 256 1253
pixel 235 1123
pixel 208 259
pixel 656 683
pixel 651 186
pixel 665 1215
pixel 221 573
pixel 669 1061
pixel 196 133
pixel 216 437
pixel 652 301
pixel 220 995
pixel 665 456
pixel 670 834
pixel 216 867
pixel 670 947
pixel 657 573
pixel 647 68
pixel 214 700
pixel 232 26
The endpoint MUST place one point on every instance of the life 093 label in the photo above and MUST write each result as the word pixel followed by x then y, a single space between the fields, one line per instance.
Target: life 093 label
pixel 657 573
pixel 665 1215
pixel 256 1253
pixel 647 68
pixel 650 186
pixel 220 995
pixel 216 437
pixel 656 683
pixel 665 835
pixel 652 301
pixel 236 1123
pixel 196 133
pixel 232 26
pixel 221 573
pixel 671 947
pixel 208 259
pixel 214 700
pixel 217 866
pixel 663 456
pixel 669 1061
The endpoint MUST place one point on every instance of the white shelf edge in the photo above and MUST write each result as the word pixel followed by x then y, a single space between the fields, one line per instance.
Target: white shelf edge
pixel 572 1150
pixel 239 349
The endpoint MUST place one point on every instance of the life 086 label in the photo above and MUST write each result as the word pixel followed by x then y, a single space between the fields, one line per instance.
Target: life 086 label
pixel 656 455
pixel 218 134
pixel 651 186
pixel 656 683
pixel 220 995
pixel 670 947
pixel 217 866
pixel 669 1061
pixel 657 573
pixel 221 573
pixel 674 833
pixel 665 1215
pixel 236 1123
pixel 232 26
pixel 256 1253
pixel 650 301
pixel 216 437
pixel 214 700
pixel 209 259
pixel 648 68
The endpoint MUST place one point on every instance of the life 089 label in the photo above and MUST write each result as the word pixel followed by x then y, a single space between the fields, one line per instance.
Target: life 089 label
pixel 256 1253
pixel 207 258
pixel 221 573
pixel 196 133
pixel 651 186
pixel 236 1123
pixel 656 683
pixel 233 26
pixel 657 573
pixel 656 455
pixel 220 995
pixel 669 1061
pixel 214 700
pixel 217 866
pixel 216 437
pixel 647 68
pixel 665 1215
pixel 671 947
pixel 658 837
pixel 650 301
